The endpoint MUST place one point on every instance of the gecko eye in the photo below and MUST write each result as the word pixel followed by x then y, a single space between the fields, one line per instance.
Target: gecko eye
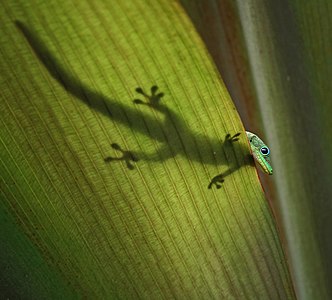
pixel 265 150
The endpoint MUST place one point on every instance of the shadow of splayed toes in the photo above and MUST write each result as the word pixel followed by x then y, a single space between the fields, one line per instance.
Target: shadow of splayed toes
pixel 153 100
pixel 127 157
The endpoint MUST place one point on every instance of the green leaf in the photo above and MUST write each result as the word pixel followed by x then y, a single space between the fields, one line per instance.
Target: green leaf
pixel 112 195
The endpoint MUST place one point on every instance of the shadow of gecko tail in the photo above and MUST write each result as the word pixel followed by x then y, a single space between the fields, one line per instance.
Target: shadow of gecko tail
pixel 111 108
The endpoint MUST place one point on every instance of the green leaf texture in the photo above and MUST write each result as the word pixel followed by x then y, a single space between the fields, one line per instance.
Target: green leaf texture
pixel 80 219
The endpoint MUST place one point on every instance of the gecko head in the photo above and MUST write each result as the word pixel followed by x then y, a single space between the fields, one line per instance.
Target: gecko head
pixel 260 152
pixel 262 156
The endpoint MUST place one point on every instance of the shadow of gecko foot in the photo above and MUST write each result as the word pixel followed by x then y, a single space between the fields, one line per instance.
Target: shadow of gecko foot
pixel 219 179
pixel 153 100
pixel 231 139
pixel 127 156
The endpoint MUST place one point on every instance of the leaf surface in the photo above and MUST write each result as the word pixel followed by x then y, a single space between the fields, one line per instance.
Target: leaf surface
pixel 145 224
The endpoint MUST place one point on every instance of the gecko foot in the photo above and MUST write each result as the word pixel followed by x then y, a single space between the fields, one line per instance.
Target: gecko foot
pixel 127 156
pixel 217 181
pixel 153 100
pixel 231 139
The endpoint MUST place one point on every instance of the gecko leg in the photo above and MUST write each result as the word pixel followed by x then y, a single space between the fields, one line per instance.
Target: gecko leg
pixel 153 100
pixel 231 139
pixel 219 179
pixel 127 156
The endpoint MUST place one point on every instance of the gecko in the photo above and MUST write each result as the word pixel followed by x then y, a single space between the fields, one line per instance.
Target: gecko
pixel 260 152
pixel 175 135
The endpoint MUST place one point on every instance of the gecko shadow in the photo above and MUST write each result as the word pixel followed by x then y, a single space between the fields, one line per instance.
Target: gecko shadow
pixel 174 134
